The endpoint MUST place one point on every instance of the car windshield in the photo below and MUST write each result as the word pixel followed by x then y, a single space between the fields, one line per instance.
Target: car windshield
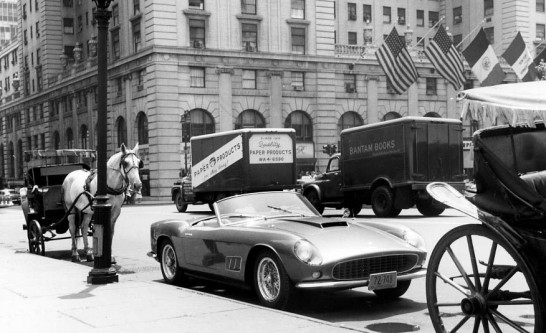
pixel 263 205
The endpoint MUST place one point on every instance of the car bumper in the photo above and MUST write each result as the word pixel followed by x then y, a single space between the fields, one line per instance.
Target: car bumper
pixel 354 283
pixel 152 255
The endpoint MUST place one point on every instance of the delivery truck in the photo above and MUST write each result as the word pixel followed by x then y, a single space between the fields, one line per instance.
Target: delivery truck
pixel 236 162
pixel 388 165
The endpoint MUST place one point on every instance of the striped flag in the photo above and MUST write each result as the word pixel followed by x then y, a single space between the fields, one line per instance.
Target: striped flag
pixel 396 62
pixel 484 62
pixel 445 58
pixel 519 58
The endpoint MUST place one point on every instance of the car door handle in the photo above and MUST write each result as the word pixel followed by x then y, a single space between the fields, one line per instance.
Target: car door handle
pixel 188 234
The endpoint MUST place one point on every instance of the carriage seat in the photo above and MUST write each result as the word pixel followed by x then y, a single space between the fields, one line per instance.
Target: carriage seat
pixel 537 181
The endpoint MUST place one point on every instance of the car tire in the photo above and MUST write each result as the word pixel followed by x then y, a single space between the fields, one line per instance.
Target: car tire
pixel 355 209
pixel 429 207
pixel 271 282
pixel 181 206
pixel 383 202
pixel 313 197
pixel 172 273
pixel 394 293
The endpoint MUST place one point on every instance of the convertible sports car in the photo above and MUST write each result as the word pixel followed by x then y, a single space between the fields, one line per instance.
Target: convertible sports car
pixel 277 243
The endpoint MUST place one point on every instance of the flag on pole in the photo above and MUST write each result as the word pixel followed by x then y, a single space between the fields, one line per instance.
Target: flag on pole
pixel 541 56
pixel 394 58
pixel 445 58
pixel 484 62
pixel 519 58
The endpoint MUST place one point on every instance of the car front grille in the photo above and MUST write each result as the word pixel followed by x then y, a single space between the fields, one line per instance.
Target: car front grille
pixel 362 268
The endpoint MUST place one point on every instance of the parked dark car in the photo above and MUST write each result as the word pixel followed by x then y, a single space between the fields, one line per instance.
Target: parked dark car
pixel 277 243
pixel 12 195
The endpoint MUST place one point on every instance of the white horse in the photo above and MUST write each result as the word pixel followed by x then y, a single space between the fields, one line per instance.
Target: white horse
pixel 122 172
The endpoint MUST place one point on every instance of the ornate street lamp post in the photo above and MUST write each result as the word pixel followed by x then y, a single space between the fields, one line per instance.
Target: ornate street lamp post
pixel 102 271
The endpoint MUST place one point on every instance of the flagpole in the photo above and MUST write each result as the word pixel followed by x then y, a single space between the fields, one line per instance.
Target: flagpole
pixel 428 32
pixel 471 32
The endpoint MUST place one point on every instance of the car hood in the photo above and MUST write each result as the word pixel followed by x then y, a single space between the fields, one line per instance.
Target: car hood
pixel 337 238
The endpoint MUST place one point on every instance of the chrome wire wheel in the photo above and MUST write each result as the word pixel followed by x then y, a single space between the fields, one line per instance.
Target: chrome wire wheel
pixel 268 278
pixel 172 273
pixel 478 282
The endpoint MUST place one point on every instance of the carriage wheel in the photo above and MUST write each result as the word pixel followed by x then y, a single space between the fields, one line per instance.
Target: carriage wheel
pixel 477 282
pixel 36 242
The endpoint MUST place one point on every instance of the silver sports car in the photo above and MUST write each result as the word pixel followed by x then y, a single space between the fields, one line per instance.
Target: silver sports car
pixel 277 243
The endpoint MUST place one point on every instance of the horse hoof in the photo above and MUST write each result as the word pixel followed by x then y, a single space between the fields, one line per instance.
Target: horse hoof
pixel 76 258
pixel 90 257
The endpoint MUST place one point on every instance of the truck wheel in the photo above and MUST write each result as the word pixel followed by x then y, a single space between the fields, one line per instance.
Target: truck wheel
pixel 429 207
pixel 383 202
pixel 179 202
pixel 314 199
pixel 355 209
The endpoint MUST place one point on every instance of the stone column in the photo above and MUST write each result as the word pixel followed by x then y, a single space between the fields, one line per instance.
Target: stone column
pixel 127 80
pixel 225 98
pixel 90 118
pixel 75 123
pixel 62 128
pixel 452 111
pixel 275 99
pixel 372 81
pixel 413 97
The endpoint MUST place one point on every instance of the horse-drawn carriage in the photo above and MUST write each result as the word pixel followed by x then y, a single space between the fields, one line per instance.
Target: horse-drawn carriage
pixel 489 276
pixel 43 208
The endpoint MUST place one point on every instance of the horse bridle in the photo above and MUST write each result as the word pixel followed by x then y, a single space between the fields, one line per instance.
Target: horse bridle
pixel 125 181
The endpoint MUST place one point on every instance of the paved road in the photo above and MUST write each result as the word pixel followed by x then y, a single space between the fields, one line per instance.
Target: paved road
pixel 357 309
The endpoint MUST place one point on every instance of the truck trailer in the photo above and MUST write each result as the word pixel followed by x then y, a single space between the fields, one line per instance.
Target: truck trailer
pixel 235 162
pixel 388 165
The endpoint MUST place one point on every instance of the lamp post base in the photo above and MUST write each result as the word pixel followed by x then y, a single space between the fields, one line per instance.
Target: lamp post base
pixel 102 276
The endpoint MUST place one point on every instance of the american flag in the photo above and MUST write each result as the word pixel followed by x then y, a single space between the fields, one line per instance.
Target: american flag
pixel 445 58
pixel 396 62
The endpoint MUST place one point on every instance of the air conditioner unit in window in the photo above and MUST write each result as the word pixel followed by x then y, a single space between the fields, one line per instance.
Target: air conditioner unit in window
pixel 350 87
pixel 198 44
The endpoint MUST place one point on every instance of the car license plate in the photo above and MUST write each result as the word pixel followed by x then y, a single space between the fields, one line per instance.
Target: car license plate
pixel 382 281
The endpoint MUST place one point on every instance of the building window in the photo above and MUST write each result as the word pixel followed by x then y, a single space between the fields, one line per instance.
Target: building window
pixel 367 10
pixel 352 38
pixel 457 15
pixel 115 15
pixel 142 128
pixel 197 4
pixel 490 33
pixel 37 29
pixel 401 16
pixel 39 78
pixel 250 37
pixel 349 81
pixel 298 9
pixel 431 86
pixel 420 18
pixel 140 79
pixel 136 7
pixel 80 23
pixel 249 119
pixel 386 14
pixel 301 122
pixel 540 6
pixel 348 120
pixel 432 18
pixel 201 122
pixel 488 8
pixel 116 52
pixel 540 31
pixel 121 129
pixel 249 79
pixel 136 36
pixel 197 77
pixel 66 3
pixel 119 86
pixel 197 34
pixel 457 39
pixel 298 40
pixel 68 25
pixel 352 11
pixel 248 7
pixel 298 82
pixel 69 138
pixel 84 137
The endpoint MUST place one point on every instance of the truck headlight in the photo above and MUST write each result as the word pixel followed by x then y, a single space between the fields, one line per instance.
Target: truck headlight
pixel 414 239
pixel 307 253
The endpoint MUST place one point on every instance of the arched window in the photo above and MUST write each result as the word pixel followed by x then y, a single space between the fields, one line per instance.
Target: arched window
pixel 348 120
pixel 2 170
pixel 301 122
pixel 432 115
pixel 69 138
pixel 84 137
pixel 20 158
pixel 56 140
pixel 142 128
pixel 121 129
pixel 11 160
pixel 201 122
pixel 391 115
pixel 249 119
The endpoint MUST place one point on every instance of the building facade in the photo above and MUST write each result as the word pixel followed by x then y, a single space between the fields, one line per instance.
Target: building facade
pixel 178 68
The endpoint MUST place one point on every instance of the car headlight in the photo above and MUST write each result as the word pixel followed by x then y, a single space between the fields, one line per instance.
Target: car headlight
pixel 307 253
pixel 414 239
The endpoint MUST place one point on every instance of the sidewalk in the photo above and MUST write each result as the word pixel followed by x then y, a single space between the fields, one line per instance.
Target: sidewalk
pixel 40 294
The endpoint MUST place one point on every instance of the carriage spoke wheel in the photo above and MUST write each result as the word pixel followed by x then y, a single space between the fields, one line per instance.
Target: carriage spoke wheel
pixel 36 242
pixel 477 282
